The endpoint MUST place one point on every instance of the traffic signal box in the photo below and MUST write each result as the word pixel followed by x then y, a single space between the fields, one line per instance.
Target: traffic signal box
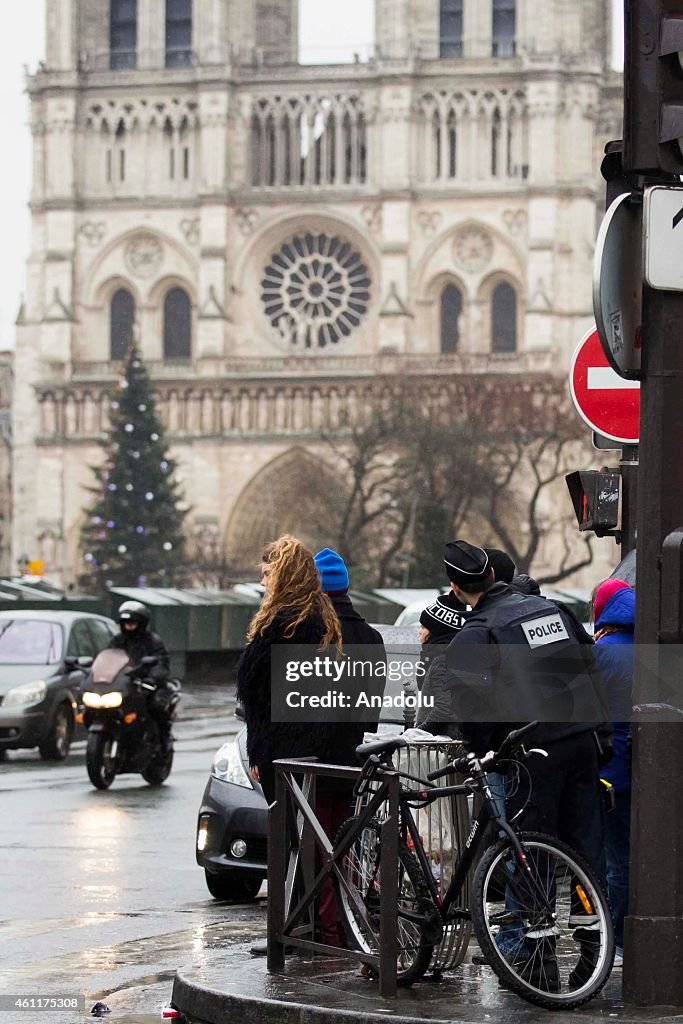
pixel 653 88
pixel 595 497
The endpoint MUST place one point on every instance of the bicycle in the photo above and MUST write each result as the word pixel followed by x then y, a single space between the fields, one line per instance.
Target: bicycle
pixel 539 912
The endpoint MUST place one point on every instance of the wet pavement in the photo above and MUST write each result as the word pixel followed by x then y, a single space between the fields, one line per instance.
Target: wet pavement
pixel 101 894
pixel 233 986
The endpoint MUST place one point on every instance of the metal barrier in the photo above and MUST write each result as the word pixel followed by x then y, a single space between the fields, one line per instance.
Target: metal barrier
pixel 443 827
pixel 294 882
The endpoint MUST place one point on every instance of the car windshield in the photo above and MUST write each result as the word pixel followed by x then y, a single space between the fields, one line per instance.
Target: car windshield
pixel 30 642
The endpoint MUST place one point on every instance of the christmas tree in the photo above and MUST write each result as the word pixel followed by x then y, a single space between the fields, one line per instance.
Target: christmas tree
pixel 133 535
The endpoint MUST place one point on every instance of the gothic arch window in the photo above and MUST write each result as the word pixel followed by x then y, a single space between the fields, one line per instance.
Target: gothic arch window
pixel 450 312
pixel 178 33
pixel 123 33
pixel 121 323
pixel 177 324
pixel 312 140
pixel 451 25
pixel 504 318
pixel 503 28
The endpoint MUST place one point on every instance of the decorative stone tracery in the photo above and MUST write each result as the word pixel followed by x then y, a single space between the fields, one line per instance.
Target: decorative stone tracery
pixel 315 290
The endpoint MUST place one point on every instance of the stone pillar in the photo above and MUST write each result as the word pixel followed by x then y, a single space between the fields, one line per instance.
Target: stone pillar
pixel 61 37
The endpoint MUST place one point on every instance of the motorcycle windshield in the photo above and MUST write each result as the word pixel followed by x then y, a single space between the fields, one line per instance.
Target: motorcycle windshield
pixel 108 664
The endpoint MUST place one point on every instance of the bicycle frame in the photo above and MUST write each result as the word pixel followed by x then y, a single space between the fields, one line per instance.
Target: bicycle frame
pixel 488 814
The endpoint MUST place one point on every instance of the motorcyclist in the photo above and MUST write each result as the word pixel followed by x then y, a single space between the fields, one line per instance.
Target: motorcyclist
pixel 138 641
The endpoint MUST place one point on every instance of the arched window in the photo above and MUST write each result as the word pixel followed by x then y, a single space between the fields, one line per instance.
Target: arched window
pixel 504 319
pixel 121 323
pixel 123 33
pixel 503 28
pixel 451 310
pixel 178 33
pixel 177 325
pixel 450 33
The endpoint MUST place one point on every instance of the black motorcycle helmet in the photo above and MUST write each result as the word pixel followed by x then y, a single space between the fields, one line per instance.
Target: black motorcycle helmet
pixel 134 611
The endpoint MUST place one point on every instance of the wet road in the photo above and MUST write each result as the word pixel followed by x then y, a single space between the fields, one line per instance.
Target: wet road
pixel 100 890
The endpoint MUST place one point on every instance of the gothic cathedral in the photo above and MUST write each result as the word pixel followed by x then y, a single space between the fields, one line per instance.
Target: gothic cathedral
pixel 282 240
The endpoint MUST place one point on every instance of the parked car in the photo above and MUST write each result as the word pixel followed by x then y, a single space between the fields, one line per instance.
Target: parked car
pixel 44 658
pixel 232 824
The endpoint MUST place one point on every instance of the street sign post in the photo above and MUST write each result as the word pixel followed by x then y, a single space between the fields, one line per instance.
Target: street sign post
pixel 608 403
pixel 618 285
pixel 663 244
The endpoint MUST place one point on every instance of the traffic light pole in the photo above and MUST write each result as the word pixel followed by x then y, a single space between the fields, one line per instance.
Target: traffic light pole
pixel 652 153
pixel 654 927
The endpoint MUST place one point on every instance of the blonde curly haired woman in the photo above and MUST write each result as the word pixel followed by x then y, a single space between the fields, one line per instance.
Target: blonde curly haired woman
pixel 294 611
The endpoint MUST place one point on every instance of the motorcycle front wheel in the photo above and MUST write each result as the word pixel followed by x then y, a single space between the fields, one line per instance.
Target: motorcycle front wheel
pixel 98 760
pixel 158 769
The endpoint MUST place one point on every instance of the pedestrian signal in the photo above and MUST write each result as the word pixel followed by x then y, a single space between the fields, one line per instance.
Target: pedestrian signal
pixel 595 497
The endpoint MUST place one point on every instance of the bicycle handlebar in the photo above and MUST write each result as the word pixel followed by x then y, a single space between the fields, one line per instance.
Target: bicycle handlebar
pixel 463 764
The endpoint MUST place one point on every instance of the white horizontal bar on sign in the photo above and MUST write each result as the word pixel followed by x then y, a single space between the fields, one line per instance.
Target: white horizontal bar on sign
pixel 604 378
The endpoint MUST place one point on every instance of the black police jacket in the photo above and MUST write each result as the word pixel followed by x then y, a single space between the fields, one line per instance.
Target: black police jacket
pixel 142 646
pixel 520 658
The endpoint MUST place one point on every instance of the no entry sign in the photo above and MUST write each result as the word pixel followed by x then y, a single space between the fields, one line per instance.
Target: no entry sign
pixel 608 403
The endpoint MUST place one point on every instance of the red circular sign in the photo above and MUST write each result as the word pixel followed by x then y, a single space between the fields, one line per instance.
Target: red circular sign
pixel 608 403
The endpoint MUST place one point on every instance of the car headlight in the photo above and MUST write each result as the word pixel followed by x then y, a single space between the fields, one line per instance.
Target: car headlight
pixel 227 766
pixel 103 700
pixel 27 693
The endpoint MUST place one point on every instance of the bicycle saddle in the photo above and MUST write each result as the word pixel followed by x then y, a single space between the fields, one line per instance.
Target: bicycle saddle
pixel 380 746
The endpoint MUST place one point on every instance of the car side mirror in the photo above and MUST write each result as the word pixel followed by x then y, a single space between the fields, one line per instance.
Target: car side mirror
pixel 71 661
pixel 239 712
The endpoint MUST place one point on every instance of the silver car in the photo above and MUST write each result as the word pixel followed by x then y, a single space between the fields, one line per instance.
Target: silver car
pixel 44 657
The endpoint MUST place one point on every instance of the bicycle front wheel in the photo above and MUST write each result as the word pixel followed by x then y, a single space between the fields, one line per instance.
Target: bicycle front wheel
pixel 543 921
pixel 361 870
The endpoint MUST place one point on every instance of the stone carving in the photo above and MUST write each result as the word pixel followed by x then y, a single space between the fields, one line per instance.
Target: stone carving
pixel 144 255
pixel 515 220
pixel 207 539
pixel 190 228
pixel 246 220
pixel 372 215
pixel 93 231
pixel 472 248
pixel 429 221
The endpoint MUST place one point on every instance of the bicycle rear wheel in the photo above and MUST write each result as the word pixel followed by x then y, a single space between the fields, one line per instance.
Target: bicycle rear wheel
pixel 361 869
pixel 543 921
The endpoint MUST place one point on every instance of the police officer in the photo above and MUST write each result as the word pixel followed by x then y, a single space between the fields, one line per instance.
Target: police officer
pixel 138 641
pixel 519 658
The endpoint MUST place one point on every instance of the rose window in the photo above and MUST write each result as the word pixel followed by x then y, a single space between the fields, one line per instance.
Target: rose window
pixel 315 290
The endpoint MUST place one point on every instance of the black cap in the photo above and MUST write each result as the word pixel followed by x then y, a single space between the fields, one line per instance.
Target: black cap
pixel 443 616
pixel 465 563
pixel 501 563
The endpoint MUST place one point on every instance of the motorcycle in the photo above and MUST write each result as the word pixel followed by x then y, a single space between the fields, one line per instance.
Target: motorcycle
pixel 122 734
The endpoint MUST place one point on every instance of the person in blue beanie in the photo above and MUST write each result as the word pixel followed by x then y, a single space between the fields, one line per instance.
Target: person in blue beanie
pixel 614 613
pixel 334 804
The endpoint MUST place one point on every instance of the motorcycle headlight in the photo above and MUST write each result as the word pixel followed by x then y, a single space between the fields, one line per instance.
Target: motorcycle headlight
pixel 111 700
pixel 227 766
pixel 27 693
pixel 114 699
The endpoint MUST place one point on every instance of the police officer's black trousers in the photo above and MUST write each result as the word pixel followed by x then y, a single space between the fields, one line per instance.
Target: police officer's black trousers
pixel 565 799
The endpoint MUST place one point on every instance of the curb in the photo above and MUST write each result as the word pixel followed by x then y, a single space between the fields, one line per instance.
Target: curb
pixel 211 1006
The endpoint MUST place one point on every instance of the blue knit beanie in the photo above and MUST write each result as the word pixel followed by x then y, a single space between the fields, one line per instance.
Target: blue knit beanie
pixel 333 573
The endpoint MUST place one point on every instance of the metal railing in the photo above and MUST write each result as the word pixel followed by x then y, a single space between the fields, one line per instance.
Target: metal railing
pixel 294 881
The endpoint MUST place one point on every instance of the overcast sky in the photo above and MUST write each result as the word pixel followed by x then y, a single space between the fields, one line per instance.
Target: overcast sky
pixel 329 31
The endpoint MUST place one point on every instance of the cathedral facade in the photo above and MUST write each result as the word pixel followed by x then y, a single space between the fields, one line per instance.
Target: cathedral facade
pixel 281 240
